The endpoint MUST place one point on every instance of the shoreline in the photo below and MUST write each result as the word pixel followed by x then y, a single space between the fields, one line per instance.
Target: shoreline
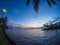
pixel 3 40
pixel 6 40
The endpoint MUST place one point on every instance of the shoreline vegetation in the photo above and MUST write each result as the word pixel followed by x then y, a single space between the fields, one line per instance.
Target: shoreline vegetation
pixel 4 38
pixel 52 26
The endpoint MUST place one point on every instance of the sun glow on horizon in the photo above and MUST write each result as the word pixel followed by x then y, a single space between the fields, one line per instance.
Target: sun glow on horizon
pixel 28 26
pixel 34 26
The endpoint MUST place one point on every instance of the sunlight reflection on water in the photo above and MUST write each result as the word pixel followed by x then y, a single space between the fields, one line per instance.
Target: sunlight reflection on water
pixel 34 36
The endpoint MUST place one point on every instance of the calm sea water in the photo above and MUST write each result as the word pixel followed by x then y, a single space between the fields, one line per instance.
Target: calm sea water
pixel 34 36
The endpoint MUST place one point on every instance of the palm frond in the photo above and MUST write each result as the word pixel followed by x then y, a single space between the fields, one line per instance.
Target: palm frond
pixel 53 2
pixel 58 0
pixel 36 8
pixel 28 1
pixel 36 4
pixel 49 3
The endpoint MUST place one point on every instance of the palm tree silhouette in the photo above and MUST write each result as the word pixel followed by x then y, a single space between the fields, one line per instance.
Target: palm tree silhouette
pixel 37 2
pixel 3 22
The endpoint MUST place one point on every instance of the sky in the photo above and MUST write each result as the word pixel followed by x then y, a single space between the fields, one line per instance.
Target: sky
pixel 20 14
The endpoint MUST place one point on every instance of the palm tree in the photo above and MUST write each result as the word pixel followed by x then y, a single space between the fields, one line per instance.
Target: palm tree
pixel 3 23
pixel 37 2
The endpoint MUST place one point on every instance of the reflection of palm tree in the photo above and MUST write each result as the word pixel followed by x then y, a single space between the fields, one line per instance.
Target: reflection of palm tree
pixel 36 3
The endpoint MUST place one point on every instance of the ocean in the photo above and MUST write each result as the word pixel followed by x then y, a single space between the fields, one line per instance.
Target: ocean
pixel 34 36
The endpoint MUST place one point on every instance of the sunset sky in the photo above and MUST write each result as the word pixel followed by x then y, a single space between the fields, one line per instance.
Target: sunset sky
pixel 20 14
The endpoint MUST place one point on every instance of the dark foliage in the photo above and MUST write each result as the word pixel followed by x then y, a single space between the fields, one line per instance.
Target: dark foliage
pixel 58 0
pixel 3 23
pixel 53 25
pixel 48 2
pixel 28 1
pixel 53 2
pixel 36 3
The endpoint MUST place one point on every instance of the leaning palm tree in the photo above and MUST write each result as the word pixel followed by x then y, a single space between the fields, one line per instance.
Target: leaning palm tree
pixel 37 2
pixel 3 23
pixel 3 20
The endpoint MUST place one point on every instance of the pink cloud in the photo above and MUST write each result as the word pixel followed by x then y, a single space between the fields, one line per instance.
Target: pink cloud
pixel 11 21
pixel 23 25
pixel 15 25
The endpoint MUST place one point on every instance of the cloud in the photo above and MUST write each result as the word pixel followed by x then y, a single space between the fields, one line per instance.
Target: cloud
pixel 11 21
pixel 15 25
